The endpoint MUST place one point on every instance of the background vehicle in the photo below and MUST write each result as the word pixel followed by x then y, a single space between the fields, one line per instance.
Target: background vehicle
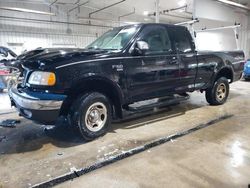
pixel 133 63
pixel 246 74
pixel 9 70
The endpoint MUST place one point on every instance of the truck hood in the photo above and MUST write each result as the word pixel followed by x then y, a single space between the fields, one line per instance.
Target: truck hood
pixel 47 58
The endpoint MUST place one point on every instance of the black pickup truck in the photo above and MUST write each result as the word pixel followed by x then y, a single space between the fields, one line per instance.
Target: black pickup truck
pixel 128 64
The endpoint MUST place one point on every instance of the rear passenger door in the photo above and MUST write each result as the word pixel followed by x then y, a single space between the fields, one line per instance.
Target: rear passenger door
pixel 158 69
pixel 185 49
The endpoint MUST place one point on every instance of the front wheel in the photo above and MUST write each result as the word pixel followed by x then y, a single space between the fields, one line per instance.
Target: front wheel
pixel 218 94
pixel 91 114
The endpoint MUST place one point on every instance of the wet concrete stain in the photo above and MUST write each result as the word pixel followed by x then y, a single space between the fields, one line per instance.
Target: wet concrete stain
pixel 48 143
pixel 10 123
pixel 33 137
pixel 112 159
pixel 2 138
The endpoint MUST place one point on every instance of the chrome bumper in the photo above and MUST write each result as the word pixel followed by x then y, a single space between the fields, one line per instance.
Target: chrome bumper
pixel 30 102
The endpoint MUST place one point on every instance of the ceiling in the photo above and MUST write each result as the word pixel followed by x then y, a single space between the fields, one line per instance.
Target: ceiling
pixel 141 8
pixel 137 8
pixel 126 11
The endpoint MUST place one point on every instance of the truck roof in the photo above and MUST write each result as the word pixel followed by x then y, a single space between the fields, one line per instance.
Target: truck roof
pixel 145 24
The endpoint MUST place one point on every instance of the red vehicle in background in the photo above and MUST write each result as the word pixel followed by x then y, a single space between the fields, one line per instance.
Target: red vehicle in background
pixel 8 72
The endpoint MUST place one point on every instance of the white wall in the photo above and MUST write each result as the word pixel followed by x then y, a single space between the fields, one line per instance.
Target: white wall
pixel 213 10
pixel 247 39
pixel 19 41
pixel 216 40
pixel 22 35
pixel 213 15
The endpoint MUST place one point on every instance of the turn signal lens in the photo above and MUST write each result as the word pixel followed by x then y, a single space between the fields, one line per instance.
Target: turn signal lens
pixel 51 79
pixel 42 78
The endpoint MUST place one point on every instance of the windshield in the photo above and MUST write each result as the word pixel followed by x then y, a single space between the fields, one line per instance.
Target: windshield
pixel 115 39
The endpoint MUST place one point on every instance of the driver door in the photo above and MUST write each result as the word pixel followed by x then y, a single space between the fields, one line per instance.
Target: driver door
pixel 156 72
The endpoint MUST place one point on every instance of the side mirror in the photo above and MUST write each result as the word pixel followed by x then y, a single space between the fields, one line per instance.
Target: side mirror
pixel 141 47
pixel 3 53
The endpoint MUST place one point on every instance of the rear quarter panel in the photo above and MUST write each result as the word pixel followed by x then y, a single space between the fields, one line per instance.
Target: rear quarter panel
pixel 211 63
pixel 234 60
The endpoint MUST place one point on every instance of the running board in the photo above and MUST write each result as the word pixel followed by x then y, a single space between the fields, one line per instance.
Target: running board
pixel 146 107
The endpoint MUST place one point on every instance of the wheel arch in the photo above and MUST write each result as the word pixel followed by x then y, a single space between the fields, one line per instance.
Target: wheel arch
pixel 226 72
pixel 99 84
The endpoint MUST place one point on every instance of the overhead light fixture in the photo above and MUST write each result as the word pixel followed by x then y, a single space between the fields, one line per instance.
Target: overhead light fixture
pixel 182 3
pixel 234 4
pixel 27 10
pixel 145 13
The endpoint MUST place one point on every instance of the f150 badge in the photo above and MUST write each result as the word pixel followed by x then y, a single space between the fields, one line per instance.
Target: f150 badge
pixel 118 68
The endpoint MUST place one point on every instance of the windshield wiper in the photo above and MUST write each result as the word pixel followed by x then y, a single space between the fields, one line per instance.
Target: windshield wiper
pixel 93 48
pixel 111 49
pixel 107 49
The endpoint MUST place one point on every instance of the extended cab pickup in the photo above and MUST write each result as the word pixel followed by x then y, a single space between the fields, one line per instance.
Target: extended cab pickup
pixel 128 64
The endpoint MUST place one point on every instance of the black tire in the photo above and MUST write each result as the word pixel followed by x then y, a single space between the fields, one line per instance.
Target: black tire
pixel 1 90
pixel 84 107
pixel 213 96
pixel 247 79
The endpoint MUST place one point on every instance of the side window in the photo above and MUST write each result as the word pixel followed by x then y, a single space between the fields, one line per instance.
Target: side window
pixel 182 40
pixel 157 39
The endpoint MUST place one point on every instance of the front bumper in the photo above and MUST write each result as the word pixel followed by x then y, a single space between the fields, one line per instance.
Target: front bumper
pixel 43 107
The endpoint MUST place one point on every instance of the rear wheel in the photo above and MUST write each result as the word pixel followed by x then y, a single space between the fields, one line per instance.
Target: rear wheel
pixel 91 114
pixel 218 94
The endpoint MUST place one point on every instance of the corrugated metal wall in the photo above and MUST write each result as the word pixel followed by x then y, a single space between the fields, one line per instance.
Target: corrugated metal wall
pixel 19 41
pixel 28 35
pixel 20 34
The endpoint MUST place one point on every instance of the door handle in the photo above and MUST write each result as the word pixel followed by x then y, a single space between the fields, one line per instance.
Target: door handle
pixel 173 61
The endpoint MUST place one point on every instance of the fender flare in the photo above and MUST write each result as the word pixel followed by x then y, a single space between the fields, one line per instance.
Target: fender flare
pixel 80 85
pixel 224 68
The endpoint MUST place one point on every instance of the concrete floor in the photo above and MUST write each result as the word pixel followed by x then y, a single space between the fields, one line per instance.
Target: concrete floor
pixel 216 156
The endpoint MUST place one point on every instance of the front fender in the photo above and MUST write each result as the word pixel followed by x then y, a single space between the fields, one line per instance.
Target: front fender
pixel 89 78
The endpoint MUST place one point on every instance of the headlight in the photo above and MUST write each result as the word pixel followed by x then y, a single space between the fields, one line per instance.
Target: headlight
pixel 42 78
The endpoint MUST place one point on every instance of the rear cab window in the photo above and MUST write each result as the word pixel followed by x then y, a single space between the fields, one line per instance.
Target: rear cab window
pixel 182 40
